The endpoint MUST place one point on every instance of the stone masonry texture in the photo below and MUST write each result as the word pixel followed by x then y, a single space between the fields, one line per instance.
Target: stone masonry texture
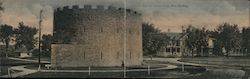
pixel 95 36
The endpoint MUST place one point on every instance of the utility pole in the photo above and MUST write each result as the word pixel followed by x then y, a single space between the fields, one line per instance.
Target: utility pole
pixel 39 40
pixel 125 38
pixel 1 52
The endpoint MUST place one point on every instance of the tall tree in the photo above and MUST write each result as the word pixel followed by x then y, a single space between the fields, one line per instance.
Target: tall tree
pixel 217 50
pixel 6 31
pixel 202 41
pixel 153 39
pixel 246 40
pixel 46 42
pixel 25 36
pixel 227 37
pixel 190 41
pixel 197 39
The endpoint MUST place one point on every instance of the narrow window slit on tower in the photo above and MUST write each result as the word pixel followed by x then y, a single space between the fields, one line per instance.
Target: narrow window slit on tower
pixel 130 31
pixel 84 29
pixel 84 55
pixel 101 29
pixel 101 55
pixel 117 30
pixel 130 55
pixel 117 55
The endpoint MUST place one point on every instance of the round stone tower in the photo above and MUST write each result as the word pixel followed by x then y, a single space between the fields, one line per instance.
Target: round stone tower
pixel 96 36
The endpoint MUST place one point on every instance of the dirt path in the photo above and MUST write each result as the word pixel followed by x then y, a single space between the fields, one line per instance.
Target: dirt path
pixel 23 72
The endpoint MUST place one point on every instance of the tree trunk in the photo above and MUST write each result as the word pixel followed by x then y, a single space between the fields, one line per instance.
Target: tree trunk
pixel 6 49
pixel 192 53
pixel 227 53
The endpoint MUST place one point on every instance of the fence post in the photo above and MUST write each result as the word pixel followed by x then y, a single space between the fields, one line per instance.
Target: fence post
pixel 148 69
pixel 9 72
pixel 89 70
pixel 124 72
pixel 183 69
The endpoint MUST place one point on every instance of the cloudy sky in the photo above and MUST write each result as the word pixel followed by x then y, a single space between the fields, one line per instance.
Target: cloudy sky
pixel 164 14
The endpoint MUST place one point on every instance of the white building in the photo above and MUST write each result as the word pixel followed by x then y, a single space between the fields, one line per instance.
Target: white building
pixel 176 46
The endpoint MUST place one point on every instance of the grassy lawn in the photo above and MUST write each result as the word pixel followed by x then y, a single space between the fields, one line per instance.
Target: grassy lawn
pixel 222 73
pixel 227 61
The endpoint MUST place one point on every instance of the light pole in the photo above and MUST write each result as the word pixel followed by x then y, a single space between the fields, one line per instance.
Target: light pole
pixel 39 40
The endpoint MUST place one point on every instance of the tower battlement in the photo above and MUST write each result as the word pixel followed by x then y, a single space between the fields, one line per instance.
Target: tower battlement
pixel 96 7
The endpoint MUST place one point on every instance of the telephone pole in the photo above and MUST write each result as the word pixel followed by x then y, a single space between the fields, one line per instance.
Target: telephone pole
pixel 39 40
pixel 125 39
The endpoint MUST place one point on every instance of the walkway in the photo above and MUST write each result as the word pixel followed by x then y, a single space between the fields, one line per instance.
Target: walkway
pixel 23 72
pixel 176 61
pixel 28 60
pixel 167 66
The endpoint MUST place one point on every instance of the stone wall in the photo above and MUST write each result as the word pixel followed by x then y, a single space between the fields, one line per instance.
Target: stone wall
pixel 95 37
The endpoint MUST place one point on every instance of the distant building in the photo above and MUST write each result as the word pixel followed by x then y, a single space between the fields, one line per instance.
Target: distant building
pixel 176 46
pixel 23 52
pixel 210 46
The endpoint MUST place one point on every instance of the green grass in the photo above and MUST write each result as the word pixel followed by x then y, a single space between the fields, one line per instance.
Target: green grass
pixel 221 74
pixel 226 61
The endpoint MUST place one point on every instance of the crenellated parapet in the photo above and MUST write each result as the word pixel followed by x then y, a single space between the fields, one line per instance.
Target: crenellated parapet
pixel 96 7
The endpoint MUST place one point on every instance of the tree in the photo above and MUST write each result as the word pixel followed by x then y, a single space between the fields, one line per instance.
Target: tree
pixel 246 40
pixel 197 39
pixel 46 43
pixel 227 37
pixel 202 41
pixel 217 50
pixel 153 39
pixel 25 36
pixel 6 32
pixel 191 37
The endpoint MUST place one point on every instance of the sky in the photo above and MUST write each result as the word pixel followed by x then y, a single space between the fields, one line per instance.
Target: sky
pixel 164 14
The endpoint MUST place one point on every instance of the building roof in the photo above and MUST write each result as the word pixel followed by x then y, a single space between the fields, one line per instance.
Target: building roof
pixel 174 35
pixel 21 49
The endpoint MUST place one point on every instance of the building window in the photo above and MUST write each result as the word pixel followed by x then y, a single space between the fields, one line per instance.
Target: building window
pixel 84 55
pixel 178 49
pixel 167 49
pixel 101 29
pixel 84 29
pixel 130 55
pixel 117 30
pixel 130 31
pixel 101 55
pixel 177 43
pixel 138 55
pixel 173 50
pixel 117 55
